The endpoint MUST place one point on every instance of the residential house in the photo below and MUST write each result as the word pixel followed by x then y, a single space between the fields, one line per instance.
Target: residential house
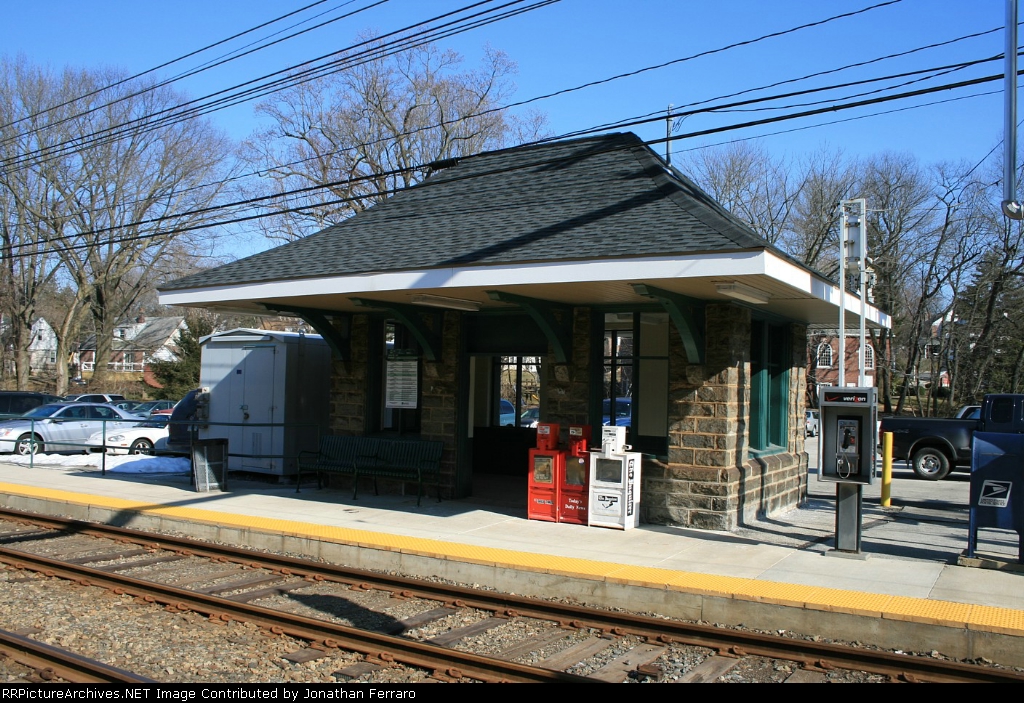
pixel 136 343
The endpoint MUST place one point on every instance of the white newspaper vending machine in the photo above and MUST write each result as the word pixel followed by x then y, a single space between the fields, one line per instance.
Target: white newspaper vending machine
pixel 614 482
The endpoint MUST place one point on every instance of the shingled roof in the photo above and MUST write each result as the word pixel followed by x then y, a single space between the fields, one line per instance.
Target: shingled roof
pixel 605 197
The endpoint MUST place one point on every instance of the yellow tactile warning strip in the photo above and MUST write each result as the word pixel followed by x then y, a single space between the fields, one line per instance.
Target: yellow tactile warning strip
pixel 943 613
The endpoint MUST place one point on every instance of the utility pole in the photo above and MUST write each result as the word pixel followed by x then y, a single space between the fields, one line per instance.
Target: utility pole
pixel 853 255
pixel 668 135
pixel 1011 207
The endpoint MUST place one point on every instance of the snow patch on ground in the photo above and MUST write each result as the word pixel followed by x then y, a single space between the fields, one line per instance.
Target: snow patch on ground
pixel 130 464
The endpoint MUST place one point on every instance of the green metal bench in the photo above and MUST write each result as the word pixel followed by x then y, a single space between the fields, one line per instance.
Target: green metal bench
pixel 337 454
pixel 417 460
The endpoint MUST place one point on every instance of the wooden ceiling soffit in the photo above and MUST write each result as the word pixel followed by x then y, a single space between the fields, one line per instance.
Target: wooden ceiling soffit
pixel 686 313
pixel 415 318
pixel 559 333
pixel 338 340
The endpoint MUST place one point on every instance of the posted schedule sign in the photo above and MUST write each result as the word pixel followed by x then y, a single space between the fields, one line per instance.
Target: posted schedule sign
pixel 402 383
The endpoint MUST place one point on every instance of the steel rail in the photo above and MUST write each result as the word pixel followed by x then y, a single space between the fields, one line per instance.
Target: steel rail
pixel 52 662
pixel 740 642
pixel 441 661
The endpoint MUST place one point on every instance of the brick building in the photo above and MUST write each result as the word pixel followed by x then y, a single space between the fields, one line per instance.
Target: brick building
pixel 823 359
pixel 590 265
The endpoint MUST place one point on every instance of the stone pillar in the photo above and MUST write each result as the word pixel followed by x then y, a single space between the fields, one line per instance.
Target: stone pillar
pixel 698 487
pixel 709 481
pixel 349 383
pixel 439 396
pixel 566 387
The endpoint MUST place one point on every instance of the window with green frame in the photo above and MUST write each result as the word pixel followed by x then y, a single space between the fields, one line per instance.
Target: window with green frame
pixel 770 353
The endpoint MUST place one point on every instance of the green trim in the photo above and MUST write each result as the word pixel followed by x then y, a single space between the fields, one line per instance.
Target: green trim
pixel 686 313
pixel 413 317
pixel 559 333
pixel 770 451
pixel 340 343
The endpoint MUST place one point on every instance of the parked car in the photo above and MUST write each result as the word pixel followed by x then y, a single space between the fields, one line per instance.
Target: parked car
pixel 152 407
pixel 812 423
pixel 506 413
pixel 969 412
pixel 936 446
pixel 15 403
pixel 623 412
pixel 94 398
pixel 60 426
pixel 530 417
pixel 141 439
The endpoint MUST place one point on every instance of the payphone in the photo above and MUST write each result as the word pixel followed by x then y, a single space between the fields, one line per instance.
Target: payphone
pixel 547 465
pixel 846 455
pixel 614 482
pixel 846 448
pixel 573 485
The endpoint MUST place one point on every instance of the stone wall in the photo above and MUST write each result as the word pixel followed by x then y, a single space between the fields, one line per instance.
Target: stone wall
pixel 566 387
pixel 349 383
pixel 439 397
pixel 708 481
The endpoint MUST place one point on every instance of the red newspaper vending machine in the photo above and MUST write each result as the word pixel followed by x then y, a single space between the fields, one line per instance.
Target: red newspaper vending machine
pixel 573 487
pixel 547 464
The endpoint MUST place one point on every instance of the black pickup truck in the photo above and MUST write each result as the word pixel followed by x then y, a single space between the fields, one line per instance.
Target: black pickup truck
pixel 934 446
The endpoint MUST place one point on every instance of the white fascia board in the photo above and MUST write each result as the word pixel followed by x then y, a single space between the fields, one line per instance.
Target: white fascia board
pixel 803 280
pixel 742 263
pixel 721 265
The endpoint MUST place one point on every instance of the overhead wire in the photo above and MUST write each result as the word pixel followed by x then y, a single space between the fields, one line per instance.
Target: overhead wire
pixel 742 43
pixel 427 183
pixel 136 76
pixel 170 115
pixel 278 196
pixel 605 80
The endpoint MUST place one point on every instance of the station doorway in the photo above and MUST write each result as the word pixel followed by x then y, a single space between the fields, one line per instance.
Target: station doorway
pixel 505 400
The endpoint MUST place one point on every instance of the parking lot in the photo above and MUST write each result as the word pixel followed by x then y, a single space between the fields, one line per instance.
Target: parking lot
pixel 927 519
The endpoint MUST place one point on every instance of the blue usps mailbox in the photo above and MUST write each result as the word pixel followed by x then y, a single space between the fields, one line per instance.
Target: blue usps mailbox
pixel 997 487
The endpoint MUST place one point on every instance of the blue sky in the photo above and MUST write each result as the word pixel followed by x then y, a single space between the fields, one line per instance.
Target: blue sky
pixel 575 42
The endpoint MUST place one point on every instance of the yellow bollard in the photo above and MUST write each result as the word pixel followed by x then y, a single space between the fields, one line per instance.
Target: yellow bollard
pixel 886 469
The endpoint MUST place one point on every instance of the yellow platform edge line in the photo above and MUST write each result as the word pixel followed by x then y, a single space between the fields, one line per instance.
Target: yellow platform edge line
pixel 943 613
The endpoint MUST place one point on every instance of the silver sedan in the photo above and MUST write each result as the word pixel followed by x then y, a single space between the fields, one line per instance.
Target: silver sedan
pixel 61 427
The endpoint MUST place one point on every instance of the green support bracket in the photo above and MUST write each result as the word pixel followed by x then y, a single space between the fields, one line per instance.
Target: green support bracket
pixel 542 312
pixel 339 342
pixel 412 316
pixel 686 313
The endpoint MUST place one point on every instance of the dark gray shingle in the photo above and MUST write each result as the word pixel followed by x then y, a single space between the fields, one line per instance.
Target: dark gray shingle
pixel 594 198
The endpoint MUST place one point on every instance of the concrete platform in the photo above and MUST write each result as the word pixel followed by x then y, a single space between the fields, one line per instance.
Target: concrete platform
pixel 907 590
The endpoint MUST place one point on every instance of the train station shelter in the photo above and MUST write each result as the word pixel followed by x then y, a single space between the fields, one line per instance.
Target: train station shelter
pixel 578 282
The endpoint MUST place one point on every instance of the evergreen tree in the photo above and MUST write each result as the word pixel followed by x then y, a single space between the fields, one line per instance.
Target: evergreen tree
pixel 182 375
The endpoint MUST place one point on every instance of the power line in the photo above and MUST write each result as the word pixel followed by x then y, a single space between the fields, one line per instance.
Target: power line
pixel 157 68
pixel 501 108
pixel 556 93
pixel 427 183
pixel 176 113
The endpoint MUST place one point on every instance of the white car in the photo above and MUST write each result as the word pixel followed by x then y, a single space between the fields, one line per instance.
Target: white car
pixel 140 439
pixel 61 427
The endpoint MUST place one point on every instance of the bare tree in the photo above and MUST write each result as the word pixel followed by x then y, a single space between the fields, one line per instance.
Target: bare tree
pixel 750 183
pixel 352 138
pixel 30 263
pixel 813 232
pixel 110 208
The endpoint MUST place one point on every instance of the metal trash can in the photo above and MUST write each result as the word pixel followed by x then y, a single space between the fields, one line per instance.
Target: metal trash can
pixel 210 464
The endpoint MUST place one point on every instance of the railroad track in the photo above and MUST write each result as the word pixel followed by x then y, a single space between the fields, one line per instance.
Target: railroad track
pixel 626 645
pixel 50 663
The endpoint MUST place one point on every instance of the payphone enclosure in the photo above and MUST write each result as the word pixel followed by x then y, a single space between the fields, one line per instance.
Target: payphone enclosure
pixel 846 443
